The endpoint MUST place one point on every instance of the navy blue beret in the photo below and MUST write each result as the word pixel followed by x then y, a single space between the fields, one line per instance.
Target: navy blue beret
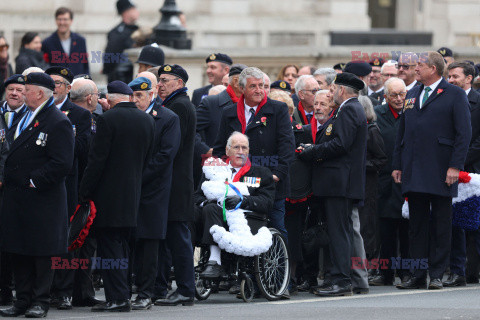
pixel 220 57
pixel 62 72
pixel 120 87
pixel 339 66
pixel 349 80
pixel 358 68
pixel 175 70
pixel 377 62
pixel 236 69
pixel 445 52
pixel 282 85
pixel 40 79
pixel 140 84
pixel 16 78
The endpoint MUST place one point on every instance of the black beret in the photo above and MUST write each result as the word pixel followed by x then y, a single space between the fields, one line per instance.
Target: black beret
pixel 124 5
pixel 377 62
pixel 358 68
pixel 120 87
pixel 82 76
pixel 445 52
pixel 282 85
pixel 151 55
pixel 140 84
pixel 16 78
pixel 339 66
pixel 40 79
pixel 236 69
pixel 62 72
pixel 175 70
pixel 220 57
pixel 349 80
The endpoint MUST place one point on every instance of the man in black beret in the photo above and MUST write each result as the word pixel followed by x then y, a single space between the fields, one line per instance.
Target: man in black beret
pixel 113 180
pixel 34 210
pixel 150 56
pixel 62 288
pixel 172 80
pixel 281 85
pixel 13 108
pixel 375 83
pixel 339 67
pixel 447 55
pixel 338 159
pixel 218 65
pixel 363 71
pixel 116 65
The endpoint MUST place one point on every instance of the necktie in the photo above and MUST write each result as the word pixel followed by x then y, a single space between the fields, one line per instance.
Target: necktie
pixel 309 118
pixel 252 114
pixel 233 172
pixel 9 116
pixel 425 95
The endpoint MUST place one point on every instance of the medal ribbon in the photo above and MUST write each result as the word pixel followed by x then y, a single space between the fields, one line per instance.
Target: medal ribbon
pixel 224 211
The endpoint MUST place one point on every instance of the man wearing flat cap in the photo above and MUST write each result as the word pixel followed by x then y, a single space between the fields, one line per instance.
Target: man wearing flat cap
pixel 338 158
pixel 157 180
pixel 34 209
pixel 121 150
pixel 13 108
pixel 172 80
pixel 218 65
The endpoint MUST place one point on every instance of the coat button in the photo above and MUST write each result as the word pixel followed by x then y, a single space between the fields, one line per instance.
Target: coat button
pixel 263 150
pixel 260 132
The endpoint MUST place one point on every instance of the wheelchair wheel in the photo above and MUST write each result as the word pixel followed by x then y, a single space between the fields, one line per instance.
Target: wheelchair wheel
pixel 203 287
pixel 247 290
pixel 272 270
pixel 201 292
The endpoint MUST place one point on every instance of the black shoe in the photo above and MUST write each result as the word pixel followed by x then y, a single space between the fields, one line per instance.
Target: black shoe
pixel 359 290
pixel 54 302
pixel 455 280
pixel 113 306
pixel 413 283
pixel 175 299
pixel 12 312
pixel 36 311
pixel 235 289
pixel 472 279
pixel 304 287
pixel 6 299
pixel 64 303
pixel 159 297
pixel 334 290
pixel 87 302
pixel 142 304
pixel 380 280
pixel 435 284
pixel 212 271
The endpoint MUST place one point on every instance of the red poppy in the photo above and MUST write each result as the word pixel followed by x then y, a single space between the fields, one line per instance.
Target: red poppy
pixel 299 126
pixel 439 91
pixel 264 120
pixel 36 124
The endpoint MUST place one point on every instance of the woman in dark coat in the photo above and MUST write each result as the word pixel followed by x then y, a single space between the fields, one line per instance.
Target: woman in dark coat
pixel 376 159
pixel 30 53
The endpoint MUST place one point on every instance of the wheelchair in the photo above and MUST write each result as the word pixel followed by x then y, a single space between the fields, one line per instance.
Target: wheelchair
pixel 270 270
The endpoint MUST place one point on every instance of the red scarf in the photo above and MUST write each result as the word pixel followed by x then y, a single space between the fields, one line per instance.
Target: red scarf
pixel 302 113
pixel 241 111
pixel 314 127
pixel 231 93
pixel 395 113
pixel 243 170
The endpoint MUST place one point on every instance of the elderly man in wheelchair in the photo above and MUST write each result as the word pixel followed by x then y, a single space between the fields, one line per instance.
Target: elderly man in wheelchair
pixel 233 200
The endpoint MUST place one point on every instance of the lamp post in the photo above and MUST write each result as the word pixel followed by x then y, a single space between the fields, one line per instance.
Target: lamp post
pixel 169 31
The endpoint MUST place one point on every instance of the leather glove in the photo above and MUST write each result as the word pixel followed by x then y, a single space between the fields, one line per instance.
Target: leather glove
pixel 308 154
pixel 231 202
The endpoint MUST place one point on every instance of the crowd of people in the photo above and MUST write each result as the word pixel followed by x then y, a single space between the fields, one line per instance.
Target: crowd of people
pixel 335 149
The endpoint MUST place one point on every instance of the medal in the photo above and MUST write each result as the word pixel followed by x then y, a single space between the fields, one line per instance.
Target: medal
pixel 328 131
pixel 44 141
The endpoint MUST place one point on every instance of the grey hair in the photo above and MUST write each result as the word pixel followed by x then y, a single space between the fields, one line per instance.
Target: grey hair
pixel 250 72
pixel 390 81
pixel 81 93
pixel 216 89
pixel 319 92
pixel 118 96
pixel 46 92
pixel 389 63
pixel 233 135
pixel 368 107
pixel 329 74
pixel 301 81
pixel 32 70
pixel 266 76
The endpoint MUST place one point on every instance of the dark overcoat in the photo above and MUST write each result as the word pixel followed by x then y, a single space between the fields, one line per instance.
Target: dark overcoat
pixel 472 163
pixel 78 59
pixel 199 94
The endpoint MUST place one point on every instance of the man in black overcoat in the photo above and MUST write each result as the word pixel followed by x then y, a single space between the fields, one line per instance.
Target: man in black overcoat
pixel 172 80
pixel 157 179
pixel 121 149
pixel 34 210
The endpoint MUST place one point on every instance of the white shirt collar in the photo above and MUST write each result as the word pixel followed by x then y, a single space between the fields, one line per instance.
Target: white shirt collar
pixel 468 90
pixel 6 107
pixel 60 105
pixel 433 86
pixel 411 85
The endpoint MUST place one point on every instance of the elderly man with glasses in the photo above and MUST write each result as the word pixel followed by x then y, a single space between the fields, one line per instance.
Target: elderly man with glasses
pixel 305 88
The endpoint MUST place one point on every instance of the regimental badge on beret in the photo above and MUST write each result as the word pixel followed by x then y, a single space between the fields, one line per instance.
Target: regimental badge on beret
pixel 376 62
pixel 442 52
pixel 283 85
pixel 328 131
pixel 25 78
pixel 64 72
pixel 143 86
pixel 167 68
pixel 20 79
pixel 213 57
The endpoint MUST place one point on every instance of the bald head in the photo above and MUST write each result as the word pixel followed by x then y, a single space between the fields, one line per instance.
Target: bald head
pixel 84 92
pixel 153 79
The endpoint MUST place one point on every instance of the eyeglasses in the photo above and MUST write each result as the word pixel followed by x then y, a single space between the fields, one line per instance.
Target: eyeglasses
pixel 388 75
pixel 405 66
pixel 95 94
pixel 4 47
pixel 59 83
pixel 238 148
pixel 313 91
pixel 165 80
pixel 400 95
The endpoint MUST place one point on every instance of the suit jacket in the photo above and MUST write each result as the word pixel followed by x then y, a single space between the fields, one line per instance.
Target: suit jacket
pixel 157 176
pixel 16 119
pixel 271 144
pixel 199 94
pixel 472 163
pixel 77 61
pixel 180 207
pixel 340 154
pixel 121 149
pixel 81 122
pixel 432 139
pixel 378 96
pixel 34 220
pixel 390 199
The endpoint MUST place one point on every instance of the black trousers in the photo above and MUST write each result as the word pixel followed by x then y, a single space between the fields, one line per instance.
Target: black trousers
pixel 33 278
pixel 211 215
pixel 179 242
pixel 394 240
pixel 473 254
pixel 112 245
pixel 338 213
pixel 147 263
pixel 430 232
pixel 6 273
